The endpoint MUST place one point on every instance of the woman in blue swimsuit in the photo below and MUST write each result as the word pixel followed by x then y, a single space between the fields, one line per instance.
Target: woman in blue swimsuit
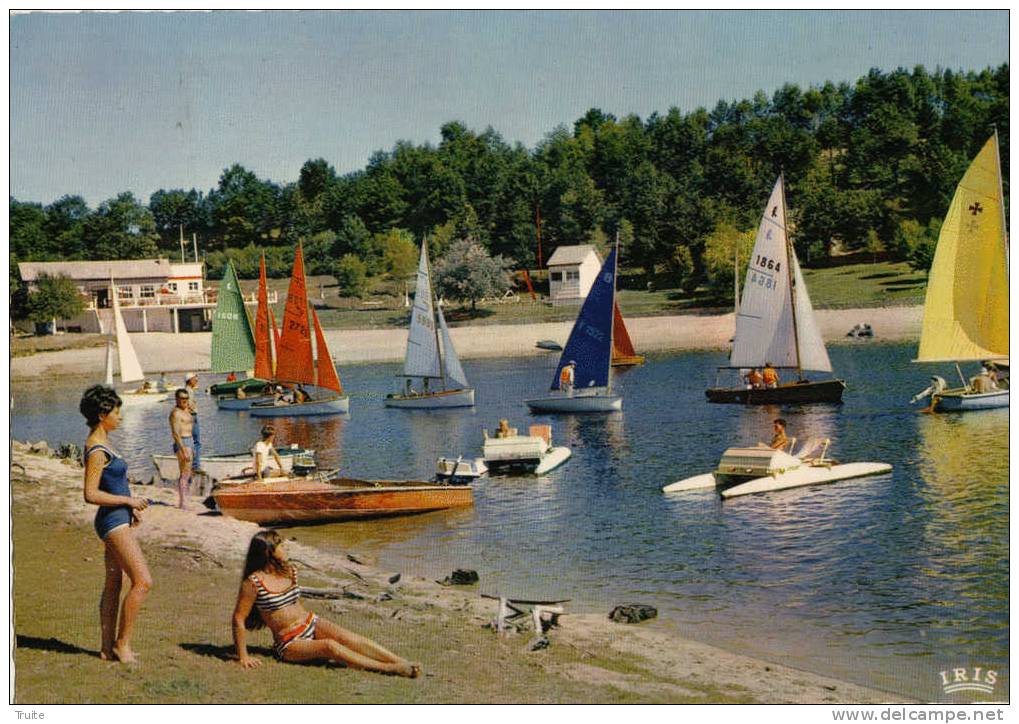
pixel 270 596
pixel 106 486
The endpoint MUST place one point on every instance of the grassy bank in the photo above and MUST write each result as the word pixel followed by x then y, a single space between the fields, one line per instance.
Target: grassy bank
pixel 185 648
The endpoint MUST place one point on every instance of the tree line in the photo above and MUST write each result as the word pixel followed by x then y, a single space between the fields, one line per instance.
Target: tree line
pixel 869 165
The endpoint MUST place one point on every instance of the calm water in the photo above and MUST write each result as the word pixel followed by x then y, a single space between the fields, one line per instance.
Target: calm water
pixel 884 581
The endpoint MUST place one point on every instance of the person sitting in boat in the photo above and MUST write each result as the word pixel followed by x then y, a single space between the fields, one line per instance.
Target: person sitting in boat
pixel 504 429
pixel 408 388
pixel 754 379
pixel 992 372
pixel 270 597
pixel 161 385
pixel 779 441
pixel 241 394
pixel 263 449
pixel 145 388
pixel 982 382
pixel 567 377
pixel 278 398
pixel 769 377
pixel 301 395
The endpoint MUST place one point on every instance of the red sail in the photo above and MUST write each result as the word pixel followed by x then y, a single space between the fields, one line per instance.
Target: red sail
pixel 294 361
pixel 263 342
pixel 327 376
pixel 621 344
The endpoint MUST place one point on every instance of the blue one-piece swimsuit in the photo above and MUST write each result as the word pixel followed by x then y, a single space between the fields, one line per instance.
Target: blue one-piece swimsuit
pixel 113 481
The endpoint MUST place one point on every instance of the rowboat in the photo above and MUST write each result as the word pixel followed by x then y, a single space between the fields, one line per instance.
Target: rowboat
pixel 965 314
pixel 460 470
pixel 430 357
pixel 302 501
pixel 760 469
pixel 775 322
pixel 589 351
pixel 220 467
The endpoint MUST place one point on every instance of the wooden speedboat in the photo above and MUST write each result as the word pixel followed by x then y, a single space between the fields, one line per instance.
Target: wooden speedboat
pixel 302 501
pixel 760 469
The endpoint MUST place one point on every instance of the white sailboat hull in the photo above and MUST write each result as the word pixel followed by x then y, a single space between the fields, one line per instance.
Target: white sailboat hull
pixel 433 400
pixel 795 478
pixel 221 467
pixel 143 398
pixel 233 403
pixel 577 403
pixel 331 406
pixel 961 401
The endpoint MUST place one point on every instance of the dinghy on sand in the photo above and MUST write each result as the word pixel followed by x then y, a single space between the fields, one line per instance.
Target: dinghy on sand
pixel 760 469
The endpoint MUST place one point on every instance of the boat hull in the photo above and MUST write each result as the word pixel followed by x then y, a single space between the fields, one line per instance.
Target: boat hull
pixel 234 403
pixel 433 400
pixel 302 502
pixel 578 403
pixel 961 401
pixel 799 392
pixel 331 406
pixel 221 467
pixel 143 398
pixel 251 384
pixel 732 487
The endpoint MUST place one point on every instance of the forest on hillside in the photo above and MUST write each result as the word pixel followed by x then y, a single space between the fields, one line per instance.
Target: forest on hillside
pixel 870 165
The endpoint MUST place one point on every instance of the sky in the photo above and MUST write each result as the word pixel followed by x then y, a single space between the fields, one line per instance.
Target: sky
pixel 102 103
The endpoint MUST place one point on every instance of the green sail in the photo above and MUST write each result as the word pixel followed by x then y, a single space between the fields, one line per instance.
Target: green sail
pixel 233 344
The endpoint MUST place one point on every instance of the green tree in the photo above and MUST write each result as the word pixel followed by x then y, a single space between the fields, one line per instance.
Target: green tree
pixel 466 273
pixel 243 208
pixel 399 255
pixel 65 220
pixel 54 297
pixel 720 253
pixel 28 231
pixel 351 275
pixel 121 228
pixel 178 212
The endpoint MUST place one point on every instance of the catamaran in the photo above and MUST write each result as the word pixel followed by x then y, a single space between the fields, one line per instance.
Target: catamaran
pixel 130 367
pixel 589 351
pixel 429 360
pixel 296 363
pixel 775 322
pixel 965 315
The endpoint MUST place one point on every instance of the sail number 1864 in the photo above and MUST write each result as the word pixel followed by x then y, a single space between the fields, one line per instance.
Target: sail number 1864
pixel 766 263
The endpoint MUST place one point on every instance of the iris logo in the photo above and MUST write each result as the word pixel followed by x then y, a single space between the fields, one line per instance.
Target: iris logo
pixel 975 679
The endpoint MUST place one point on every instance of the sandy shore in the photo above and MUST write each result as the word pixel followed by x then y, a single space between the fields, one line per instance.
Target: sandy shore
pixel 589 659
pixel 178 353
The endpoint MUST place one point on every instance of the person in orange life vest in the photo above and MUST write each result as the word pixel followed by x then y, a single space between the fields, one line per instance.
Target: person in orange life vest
pixel 769 376
pixel 566 377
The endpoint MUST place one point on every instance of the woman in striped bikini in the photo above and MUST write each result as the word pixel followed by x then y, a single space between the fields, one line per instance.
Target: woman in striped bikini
pixel 270 596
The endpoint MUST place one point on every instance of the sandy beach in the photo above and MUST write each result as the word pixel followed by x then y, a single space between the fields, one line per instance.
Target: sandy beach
pixel 161 352
pixel 185 645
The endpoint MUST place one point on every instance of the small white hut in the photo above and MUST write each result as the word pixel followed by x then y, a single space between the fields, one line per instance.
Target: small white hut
pixel 571 273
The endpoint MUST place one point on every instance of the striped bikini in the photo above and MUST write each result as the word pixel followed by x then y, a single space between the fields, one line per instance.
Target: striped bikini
pixel 266 600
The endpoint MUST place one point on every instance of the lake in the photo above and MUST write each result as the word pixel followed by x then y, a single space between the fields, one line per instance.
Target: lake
pixel 884 581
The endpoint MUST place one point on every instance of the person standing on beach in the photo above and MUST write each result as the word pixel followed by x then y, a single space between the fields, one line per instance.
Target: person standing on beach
pixel 183 441
pixel 106 486
pixel 269 596
pixel 191 383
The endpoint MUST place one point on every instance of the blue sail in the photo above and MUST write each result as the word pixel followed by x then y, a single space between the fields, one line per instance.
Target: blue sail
pixel 590 342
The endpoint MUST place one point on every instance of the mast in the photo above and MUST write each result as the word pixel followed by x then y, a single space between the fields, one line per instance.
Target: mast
pixel 435 326
pixel 792 279
pixel 612 327
pixel 1001 197
pixel 735 275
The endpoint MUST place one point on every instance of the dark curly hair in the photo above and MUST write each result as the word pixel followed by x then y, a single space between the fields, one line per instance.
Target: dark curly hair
pixel 97 401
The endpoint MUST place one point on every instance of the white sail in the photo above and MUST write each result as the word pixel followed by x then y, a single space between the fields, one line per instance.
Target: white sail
pixel 451 363
pixel 130 368
pixel 764 323
pixel 813 354
pixel 109 363
pixel 422 358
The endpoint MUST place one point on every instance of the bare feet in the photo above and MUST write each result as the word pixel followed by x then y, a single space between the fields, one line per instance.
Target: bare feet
pixel 124 655
pixel 406 668
pixel 107 655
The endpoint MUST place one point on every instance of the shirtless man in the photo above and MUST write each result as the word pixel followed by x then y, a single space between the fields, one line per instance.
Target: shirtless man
pixel 779 441
pixel 183 443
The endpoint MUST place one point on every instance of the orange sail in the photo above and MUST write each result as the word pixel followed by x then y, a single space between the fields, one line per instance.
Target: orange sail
pixel 294 362
pixel 327 376
pixel 623 353
pixel 263 341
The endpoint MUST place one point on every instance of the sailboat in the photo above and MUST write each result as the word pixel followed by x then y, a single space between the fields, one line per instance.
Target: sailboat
pixel 233 344
pixel 427 359
pixel 775 322
pixel 130 367
pixel 263 367
pixel 295 358
pixel 623 354
pixel 965 315
pixel 589 348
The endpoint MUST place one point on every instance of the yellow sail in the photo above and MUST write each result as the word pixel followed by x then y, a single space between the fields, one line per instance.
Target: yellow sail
pixel 966 311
